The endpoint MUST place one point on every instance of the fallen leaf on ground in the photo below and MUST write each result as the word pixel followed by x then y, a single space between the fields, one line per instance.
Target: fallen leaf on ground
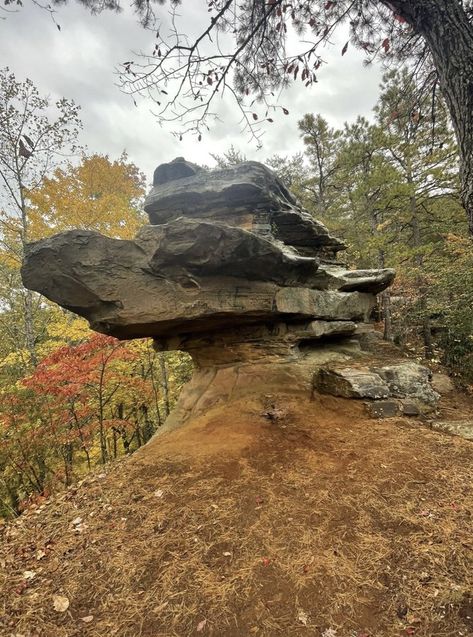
pixel 87 619
pixel 201 625
pixel 29 574
pixel 60 603
pixel 303 617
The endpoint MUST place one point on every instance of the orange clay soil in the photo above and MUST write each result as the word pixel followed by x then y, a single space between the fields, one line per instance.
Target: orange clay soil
pixel 310 521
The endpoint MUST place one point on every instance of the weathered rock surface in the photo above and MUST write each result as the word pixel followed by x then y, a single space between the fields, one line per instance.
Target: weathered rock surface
pixel 176 169
pixel 224 251
pixel 383 408
pixel 410 408
pixel 248 195
pixel 248 185
pixel 373 281
pixel 462 428
pixel 442 384
pixel 409 379
pixel 404 380
pixel 351 382
pixel 201 248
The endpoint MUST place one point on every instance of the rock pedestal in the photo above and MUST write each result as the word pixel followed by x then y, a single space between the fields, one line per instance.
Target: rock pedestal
pixel 232 270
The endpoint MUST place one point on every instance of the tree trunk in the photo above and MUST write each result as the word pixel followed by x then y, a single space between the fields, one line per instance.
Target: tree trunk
pixel 29 328
pixel 125 441
pixel 386 309
pixel 101 416
pixel 164 383
pixel 114 443
pixel 87 457
pixel 420 279
pixel 148 428
pixel 447 31
pixel 28 314
pixel 14 499
pixel 68 456
pixel 426 326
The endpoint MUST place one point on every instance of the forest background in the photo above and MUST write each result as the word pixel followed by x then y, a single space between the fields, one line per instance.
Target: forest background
pixel 72 399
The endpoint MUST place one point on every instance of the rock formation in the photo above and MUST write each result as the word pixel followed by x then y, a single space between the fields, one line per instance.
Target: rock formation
pixel 232 270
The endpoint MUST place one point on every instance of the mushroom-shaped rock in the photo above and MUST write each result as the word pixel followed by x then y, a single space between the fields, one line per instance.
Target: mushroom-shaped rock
pixel 231 269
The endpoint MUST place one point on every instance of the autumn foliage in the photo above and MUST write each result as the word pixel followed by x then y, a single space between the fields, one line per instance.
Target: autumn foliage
pixel 83 405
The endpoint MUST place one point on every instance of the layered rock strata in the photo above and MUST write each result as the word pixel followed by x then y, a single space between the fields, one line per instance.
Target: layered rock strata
pixel 230 269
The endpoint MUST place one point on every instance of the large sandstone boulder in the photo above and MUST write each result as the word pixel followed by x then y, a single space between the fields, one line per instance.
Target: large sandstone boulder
pixel 352 382
pixel 232 270
pixel 400 380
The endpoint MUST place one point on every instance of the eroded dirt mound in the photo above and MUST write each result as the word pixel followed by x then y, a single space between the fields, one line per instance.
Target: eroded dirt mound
pixel 295 519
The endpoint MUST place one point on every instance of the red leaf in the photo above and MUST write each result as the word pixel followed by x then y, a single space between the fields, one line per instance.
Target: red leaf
pixel 199 138
pixel 386 45
pixel 328 5
pixel 255 116
pixel 209 80
pixel 285 111
pixel 265 561
pixel 344 50
pixel 270 120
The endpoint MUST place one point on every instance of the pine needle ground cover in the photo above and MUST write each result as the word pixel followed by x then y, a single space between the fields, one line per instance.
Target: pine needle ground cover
pixel 319 522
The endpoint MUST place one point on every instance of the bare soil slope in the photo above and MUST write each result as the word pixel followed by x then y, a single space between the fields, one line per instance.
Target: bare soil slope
pixel 306 519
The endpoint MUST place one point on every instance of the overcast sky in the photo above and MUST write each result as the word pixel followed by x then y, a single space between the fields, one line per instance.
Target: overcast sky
pixel 80 62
